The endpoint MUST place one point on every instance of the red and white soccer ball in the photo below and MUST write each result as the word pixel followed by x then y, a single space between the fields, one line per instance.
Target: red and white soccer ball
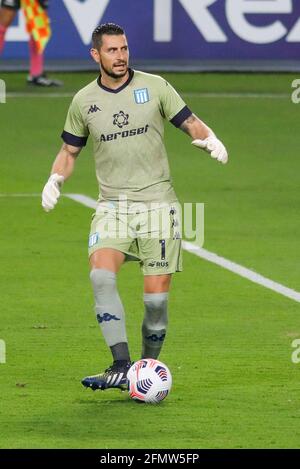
pixel 149 381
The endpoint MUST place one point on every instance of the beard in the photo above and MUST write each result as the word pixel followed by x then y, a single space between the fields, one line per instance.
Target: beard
pixel 111 73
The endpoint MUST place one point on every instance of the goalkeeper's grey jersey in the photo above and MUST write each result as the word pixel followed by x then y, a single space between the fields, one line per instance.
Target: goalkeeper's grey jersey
pixel 127 129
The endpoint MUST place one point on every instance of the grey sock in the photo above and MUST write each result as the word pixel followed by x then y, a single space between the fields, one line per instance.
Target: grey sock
pixel 154 324
pixel 109 311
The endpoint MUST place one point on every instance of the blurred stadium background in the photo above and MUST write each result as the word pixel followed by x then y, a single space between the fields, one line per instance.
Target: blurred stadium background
pixel 229 343
pixel 172 35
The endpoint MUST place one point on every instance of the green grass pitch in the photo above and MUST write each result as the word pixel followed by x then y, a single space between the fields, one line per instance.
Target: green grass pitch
pixel 229 340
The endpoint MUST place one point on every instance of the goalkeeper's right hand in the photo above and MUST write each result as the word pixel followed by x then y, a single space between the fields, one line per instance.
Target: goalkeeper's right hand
pixel 51 191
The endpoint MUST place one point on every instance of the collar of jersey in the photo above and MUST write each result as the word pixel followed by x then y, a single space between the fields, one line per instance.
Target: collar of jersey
pixel 110 90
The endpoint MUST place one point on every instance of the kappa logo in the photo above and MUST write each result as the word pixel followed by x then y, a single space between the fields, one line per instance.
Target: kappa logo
pixel 106 317
pixel 94 108
pixel 156 338
pixel 121 119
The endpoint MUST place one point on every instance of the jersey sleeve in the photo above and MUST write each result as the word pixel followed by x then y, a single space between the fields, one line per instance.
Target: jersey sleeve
pixel 75 130
pixel 173 107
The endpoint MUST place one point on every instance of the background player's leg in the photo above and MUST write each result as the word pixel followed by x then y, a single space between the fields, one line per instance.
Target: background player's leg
pixel 105 264
pixel 2 36
pixel 37 76
pixel 155 322
pixel 6 18
pixel 36 59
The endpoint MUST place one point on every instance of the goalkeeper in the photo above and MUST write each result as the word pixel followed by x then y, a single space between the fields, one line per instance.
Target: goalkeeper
pixel 123 112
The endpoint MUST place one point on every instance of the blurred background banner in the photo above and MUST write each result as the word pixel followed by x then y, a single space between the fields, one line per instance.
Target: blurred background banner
pixel 212 34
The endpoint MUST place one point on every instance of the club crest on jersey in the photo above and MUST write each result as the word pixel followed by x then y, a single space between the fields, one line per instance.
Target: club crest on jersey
pixel 141 96
pixel 93 239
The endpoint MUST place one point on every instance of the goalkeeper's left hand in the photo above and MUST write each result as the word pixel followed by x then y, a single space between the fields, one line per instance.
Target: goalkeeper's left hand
pixel 213 146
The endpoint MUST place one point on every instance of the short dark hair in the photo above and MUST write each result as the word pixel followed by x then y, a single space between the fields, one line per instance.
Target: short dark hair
pixel 107 28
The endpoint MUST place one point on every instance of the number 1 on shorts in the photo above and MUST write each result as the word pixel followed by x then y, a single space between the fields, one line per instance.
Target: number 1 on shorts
pixel 163 248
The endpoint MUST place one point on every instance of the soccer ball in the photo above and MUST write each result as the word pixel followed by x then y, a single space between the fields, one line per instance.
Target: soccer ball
pixel 149 380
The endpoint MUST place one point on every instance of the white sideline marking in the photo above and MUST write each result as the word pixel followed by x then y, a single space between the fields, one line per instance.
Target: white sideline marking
pixel 238 95
pixel 83 199
pixel 39 95
pixel 19 195
pixel 230 95
pixel 242 271
pixel 200 252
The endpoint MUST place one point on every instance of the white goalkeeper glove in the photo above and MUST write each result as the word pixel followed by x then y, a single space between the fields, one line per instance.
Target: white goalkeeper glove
pixel 51 191
pixel 213 146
